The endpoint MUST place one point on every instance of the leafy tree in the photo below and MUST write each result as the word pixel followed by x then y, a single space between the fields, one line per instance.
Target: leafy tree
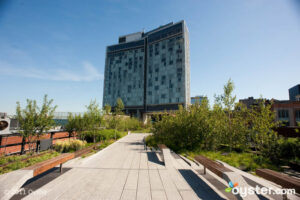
pixel 46 114
pixel 71 126
pixel 262 120
pixel 199 127
pixel 114 123
pixel 119 107
pixel 76 123
pixel 94 118
pixel 216 137
pixel 240 127
pixel 107 108
pixel 27 118
pixel 228 101
pixel 34 120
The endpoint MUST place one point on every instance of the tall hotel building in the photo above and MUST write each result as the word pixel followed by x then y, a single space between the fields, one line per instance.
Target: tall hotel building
pixel 149 71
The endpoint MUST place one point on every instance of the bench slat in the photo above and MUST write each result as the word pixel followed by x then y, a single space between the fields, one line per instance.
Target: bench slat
pixel 280 179
pixel 48 164
pixel 213 166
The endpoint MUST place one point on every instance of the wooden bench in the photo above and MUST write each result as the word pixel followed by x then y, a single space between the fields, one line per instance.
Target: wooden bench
pixel 213 166
pixel 41 167
pixel 226 174
pixel 162 146
pixel 281 179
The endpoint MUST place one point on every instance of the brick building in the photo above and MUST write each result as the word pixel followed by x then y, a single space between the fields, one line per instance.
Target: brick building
pixel 287 112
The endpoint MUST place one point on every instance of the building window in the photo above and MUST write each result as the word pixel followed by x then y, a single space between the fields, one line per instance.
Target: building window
pixel 163 96
pixel 283 114
pixel 129 89
pixel 179 60
pixel 156 87
pixel 163 80
pixel 297 116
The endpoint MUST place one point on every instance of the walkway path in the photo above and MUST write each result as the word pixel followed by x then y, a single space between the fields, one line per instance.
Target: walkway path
pixel 124 170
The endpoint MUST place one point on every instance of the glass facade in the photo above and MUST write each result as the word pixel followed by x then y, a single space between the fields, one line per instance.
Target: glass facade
pixel 293 92
pixel 153 71
pixel 124 77
pixel 165 75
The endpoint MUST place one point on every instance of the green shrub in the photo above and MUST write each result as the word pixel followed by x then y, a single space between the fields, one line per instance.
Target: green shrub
pixel 123 123
pixel 108 134
pixel 101 135
pixel 69 145
pixel 20 164
pixel 289 148
pixel 150 141
pixel 244 161
pixel 132 124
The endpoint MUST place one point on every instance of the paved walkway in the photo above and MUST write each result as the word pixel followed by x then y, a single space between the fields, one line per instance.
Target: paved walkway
pixel 124 170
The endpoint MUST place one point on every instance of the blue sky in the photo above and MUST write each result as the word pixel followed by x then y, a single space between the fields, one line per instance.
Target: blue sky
pixel 58 47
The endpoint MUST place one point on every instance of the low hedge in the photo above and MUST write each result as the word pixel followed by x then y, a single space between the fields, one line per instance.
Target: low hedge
pixel 101 135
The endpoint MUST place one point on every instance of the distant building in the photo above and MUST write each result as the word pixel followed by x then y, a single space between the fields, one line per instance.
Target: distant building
pixel 293 92
pixel 197 99
pixel 149 71
pixel 288 112
pixel 61 118
pixel 250 102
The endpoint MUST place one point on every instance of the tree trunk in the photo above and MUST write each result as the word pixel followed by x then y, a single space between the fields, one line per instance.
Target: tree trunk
pixel 94 139
pixel 23 144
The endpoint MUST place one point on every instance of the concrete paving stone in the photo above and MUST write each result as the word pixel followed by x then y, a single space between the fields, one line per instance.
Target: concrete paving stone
pixel 123 170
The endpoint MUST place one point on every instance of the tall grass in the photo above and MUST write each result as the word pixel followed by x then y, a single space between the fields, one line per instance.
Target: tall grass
pixel 69 145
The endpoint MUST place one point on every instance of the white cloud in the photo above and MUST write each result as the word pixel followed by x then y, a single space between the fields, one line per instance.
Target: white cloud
pixel 88 72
